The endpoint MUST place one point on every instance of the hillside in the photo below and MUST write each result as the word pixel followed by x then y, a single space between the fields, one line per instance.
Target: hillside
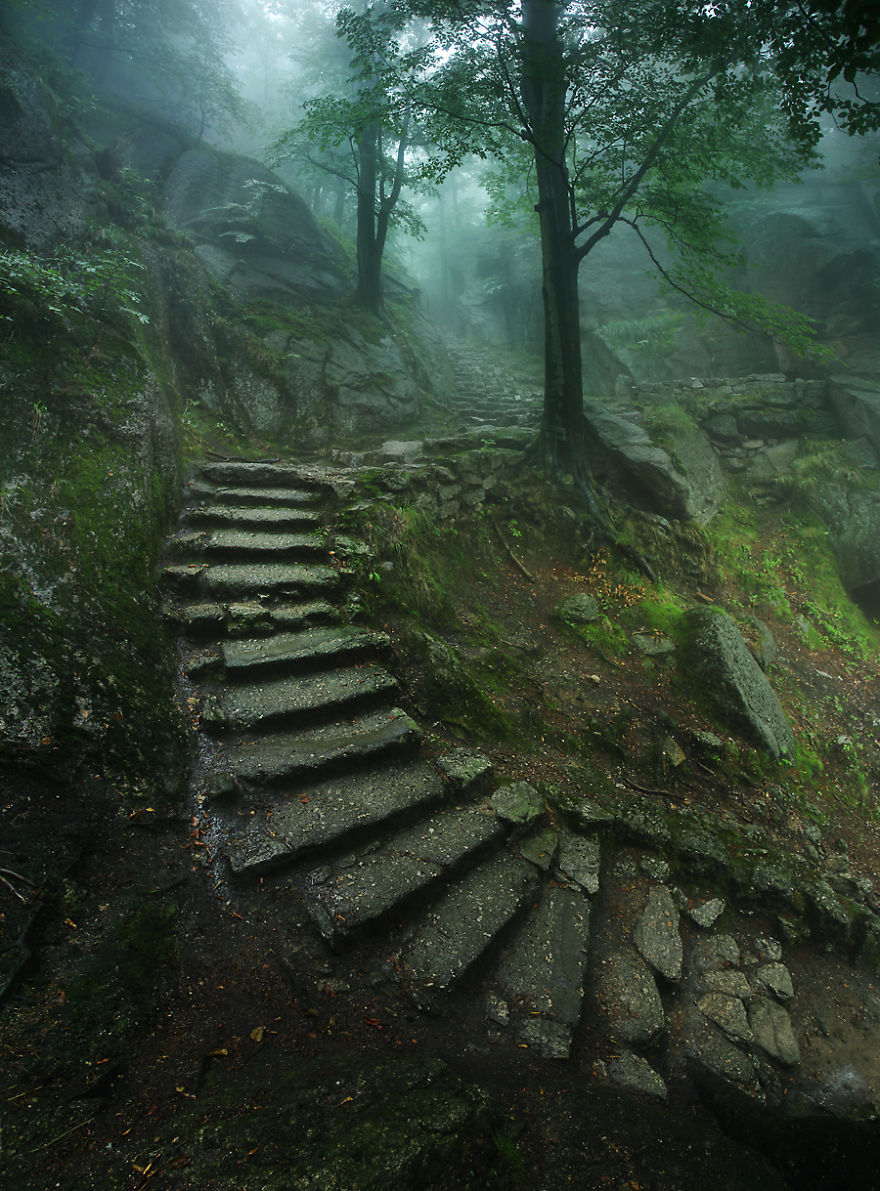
pixel 366 818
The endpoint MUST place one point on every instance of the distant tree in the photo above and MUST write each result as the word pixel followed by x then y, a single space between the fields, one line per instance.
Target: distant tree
pixel 626 112
pixel 169 53
pixel 359 129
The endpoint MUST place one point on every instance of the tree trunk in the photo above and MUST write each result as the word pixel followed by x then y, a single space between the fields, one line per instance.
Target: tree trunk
pixel 369 252
pixel 339 208
pixel 544 98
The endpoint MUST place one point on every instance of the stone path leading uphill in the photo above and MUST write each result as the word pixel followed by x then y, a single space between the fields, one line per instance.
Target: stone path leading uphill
pixel 566 935
pixel 313 766
pixel 641 943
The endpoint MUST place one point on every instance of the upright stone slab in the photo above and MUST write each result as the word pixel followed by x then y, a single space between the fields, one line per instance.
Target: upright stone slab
pixel 720 661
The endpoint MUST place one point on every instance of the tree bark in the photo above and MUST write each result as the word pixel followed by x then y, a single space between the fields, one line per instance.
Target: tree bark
pixel 543 91
pixel 369 254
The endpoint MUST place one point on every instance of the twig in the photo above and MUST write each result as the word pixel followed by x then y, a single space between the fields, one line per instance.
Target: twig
pixel 650 789
pixel 54 1140
pixel 18 877
pixel 13 890
pixel 513 558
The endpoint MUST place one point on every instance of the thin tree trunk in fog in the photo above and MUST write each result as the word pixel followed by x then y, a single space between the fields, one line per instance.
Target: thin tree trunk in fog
pixel 544 95
pixel 369 287
pixel 339 207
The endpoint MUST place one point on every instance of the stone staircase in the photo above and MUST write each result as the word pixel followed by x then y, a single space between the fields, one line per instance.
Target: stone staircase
pixel 486 394
pixel 307 766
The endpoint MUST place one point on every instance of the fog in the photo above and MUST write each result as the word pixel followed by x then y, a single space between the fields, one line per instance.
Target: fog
pixel 243 76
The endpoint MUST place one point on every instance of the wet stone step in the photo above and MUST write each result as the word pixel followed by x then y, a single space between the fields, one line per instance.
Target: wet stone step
pixel 466 920
pixel 290 756
pixel 258 473
pixel 247 618
pixel 290 498
pixel 267 703
pixel 254 516
pixel 244 541
pixel 542 977
pixel 368 883
pixel 325 812
pixel 281 579
pixel 322 645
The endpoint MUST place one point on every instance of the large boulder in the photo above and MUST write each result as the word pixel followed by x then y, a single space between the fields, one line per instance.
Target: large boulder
pixel 814 259
pixel 853 516
pixel 720 661
pixel 687 487
pixel 251 230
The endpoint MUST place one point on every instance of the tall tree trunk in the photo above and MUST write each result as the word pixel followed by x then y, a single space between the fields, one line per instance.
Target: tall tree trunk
pixel 544 96
pixel 339 207
pixel 369 252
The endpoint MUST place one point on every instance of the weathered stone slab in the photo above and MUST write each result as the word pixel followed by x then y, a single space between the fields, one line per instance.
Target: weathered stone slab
pixel 729 981
pixel 254 516
pixel 328 811
pixel 321 645
pixel 579 860
pixel 299 696
pixel 705 914
pixel 467 919
pixel 299 616
pixel 278 544
pixel 643 822
pixel 580 608
pixel 298 755
pixel 465 771
pixel 368 883
pixel 657 936
pixel 631 1071
pixel 540 847
pixel 275 578
pixel 628 998
pixel 773 1033
pixel 775 978
pixel 266 497
pixel 256 472
pixel 517 803
pixel 729 1013
pixel 721 660
pixel 544 969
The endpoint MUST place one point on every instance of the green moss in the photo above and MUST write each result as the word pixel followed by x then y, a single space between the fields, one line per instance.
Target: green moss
pixel 660 611
pixel 608 638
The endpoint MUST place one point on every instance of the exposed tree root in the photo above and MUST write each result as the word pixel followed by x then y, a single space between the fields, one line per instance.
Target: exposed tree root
pixel 545 451
pixel 510 554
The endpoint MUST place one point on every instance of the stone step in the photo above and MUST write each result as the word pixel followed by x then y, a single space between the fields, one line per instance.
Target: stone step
pixel 248 618
pixel 465 921
pixel 261 498
pixel 368 883
pixel 277 579
pixel 542 977
pixel 329 811
pixel 254 516
pixel 324 646
pixel 296 698
pixel 299 756
pixel 259 474
pixel 278 544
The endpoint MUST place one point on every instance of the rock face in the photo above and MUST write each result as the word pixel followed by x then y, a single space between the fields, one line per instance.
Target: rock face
pixel 720 659
pixel 42 197
pixel 854 519
pixel 689 487
pixel 252 230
